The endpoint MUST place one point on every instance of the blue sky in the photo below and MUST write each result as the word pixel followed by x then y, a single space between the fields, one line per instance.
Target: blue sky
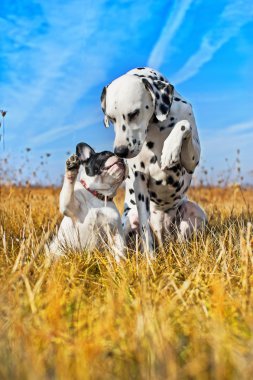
pixel 56 56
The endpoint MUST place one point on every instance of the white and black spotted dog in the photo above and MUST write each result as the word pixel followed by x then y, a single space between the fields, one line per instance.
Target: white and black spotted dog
pixel 89 222
pixel 156 132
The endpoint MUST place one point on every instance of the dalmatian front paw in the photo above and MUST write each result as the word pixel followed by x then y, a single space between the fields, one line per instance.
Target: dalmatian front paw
pixel 72 167
pixel 173 144
pixel 170 157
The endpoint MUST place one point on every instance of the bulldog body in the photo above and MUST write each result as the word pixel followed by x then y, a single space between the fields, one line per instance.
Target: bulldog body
pixel 91 219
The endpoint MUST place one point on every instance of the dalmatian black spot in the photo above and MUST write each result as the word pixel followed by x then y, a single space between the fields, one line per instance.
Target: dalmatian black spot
pixel 171 125
pixel 136 174
pixel 147 107
pixel 133 202
pixel 155 120
pixel 176 168
pixel 159 182
pixel 162 128
pixel 134 166
pixel 172 118
pixel 183 101
pixel 177 99
pixel 124 117
pixel 123 127
pixel 150 144
pixel 134 141
pixel 153 194
pixel 131 191
pixel 170 180
pixel 142 165
pixel 179 187
pixel 163 108
pixel 140 68
pixel 166 99
pixel 153 160
pixel 147 204
pixel 193 158
pixel 182 128
pixel 142 177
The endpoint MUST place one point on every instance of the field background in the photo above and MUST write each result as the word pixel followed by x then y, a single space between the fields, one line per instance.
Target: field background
pixel 186 315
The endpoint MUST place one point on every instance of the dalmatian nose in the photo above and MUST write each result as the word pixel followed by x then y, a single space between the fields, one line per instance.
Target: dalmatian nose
pixel 121 151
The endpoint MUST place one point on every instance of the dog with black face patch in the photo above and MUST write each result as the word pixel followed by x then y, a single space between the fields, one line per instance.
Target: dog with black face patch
pixel 91 218
pixel 155 130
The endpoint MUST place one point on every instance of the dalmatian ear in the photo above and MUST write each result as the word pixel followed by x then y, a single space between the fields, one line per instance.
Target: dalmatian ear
pixel 84 151
pixel 103 105
pixel 162 95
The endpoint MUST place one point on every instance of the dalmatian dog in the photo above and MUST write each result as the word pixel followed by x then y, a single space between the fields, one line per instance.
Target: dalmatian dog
pixel 155 131
pixel 91 218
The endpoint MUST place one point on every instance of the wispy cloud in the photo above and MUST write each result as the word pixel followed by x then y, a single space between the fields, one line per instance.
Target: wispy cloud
pixel 59 132
pixel 240 127
pixel 168 32
pixel 232 19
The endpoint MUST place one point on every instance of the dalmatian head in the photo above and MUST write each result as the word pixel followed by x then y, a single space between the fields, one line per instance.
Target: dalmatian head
pixel 129 103
pixel 102 172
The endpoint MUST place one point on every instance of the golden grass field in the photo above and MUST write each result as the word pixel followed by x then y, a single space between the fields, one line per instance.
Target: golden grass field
pixel 186 315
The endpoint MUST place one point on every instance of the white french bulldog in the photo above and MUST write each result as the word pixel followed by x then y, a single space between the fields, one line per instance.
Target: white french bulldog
pixel 91 219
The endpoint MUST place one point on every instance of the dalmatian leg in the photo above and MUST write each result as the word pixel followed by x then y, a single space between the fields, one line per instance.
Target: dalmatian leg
pixel 192 218
pixel 173 144
pixel 69 205
pixel 143 206
pixel 130 220
pixel 157 224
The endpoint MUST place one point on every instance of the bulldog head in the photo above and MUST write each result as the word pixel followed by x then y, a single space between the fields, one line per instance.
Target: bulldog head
pixel 103 172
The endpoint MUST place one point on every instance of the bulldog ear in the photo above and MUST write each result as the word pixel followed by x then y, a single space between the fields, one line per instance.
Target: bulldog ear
pixel 103 105
pixel 84 151
pixel 162 95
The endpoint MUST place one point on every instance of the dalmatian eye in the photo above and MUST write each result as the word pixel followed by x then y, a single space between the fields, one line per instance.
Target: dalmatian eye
pixel 133 115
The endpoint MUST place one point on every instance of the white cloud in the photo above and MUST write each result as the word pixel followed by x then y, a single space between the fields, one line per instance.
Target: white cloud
pixel 240 127
pixel 169 30
pixel 59 132
pixel 232 19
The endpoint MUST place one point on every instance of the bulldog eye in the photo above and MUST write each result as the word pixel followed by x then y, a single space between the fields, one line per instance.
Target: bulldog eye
pixel 133 115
